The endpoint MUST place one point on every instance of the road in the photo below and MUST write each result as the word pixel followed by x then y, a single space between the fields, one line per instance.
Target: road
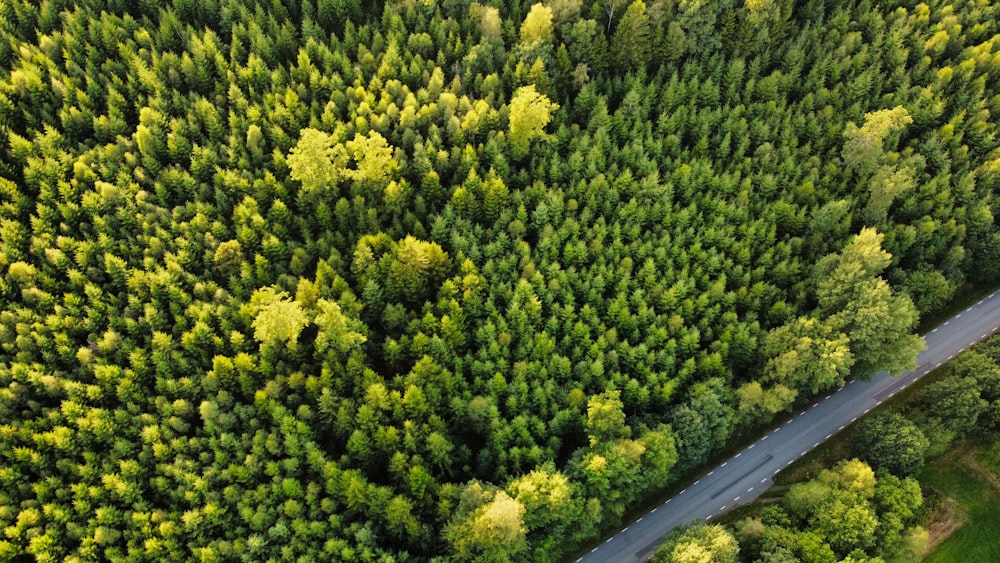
pixel 745 476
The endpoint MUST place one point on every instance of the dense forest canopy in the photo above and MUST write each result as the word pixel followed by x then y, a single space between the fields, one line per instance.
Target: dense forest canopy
pixel 362 281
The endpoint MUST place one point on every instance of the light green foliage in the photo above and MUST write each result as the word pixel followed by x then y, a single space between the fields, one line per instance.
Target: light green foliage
pixel 864 146
pixel 277 318
pixel 228 256
pixel 22 273
pixel 861 305
pixel 839 275
pixel 317 161
pixel 887 184
pixel 807 355
pixel 336 330
pixel 756 404
pixel 320 163
pixel 844 512
pixel 660 456
pixel 372 157
pixel 547 497
pixel 414 263
pixel 530 112
pixel 605 418
pixel 537 25
pixel 701 543
pixel 494 531
pixel 490 24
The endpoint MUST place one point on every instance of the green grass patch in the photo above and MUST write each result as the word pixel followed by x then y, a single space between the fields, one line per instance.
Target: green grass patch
pixel 956 475
pixel 989 457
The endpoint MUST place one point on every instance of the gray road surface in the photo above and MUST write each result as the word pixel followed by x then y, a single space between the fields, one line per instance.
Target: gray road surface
pixel 743 477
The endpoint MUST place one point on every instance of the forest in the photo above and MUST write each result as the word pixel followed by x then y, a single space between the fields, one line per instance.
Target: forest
pixel 864 503
pixel 422 280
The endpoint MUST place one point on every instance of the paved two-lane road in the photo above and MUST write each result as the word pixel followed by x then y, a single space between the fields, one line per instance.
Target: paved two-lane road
pixel 743 477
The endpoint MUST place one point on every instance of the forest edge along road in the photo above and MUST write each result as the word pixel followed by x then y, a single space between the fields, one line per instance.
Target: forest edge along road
pixel 747 474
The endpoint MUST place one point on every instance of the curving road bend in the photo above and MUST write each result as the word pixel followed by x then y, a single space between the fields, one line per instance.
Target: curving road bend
pixel 743 477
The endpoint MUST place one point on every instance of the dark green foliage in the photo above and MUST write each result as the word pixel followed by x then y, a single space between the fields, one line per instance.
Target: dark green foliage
pixel 468 302
pixel 966 403
pixel 891 442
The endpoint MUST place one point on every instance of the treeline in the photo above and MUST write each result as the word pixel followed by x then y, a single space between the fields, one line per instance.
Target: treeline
pixel 416 280
pixel 963 405
pixel 847 514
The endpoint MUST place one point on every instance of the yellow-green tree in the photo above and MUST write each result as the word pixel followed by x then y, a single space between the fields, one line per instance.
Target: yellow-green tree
pixel 278 318
pixel 860 304
pixel 701 543
pixel 317 161
pixel 494 531
pixel 530 112
pixel 537 25
pixel 807 355
pixel 372 156
pixel 863 146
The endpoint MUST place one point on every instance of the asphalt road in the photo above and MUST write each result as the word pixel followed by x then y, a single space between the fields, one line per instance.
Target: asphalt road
pixel 745 476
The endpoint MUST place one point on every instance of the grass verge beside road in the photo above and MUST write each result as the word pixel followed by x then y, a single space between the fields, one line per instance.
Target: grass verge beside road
pixel 957 475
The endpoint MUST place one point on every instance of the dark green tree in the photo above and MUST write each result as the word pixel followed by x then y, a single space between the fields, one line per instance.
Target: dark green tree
pixel 891 442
